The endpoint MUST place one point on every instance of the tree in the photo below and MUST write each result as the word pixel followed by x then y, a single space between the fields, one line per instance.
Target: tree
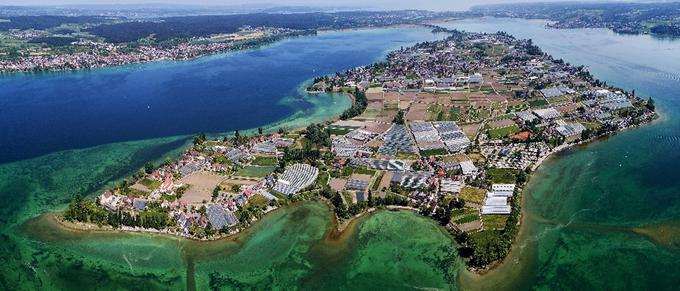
pixel 77 210
pixel 148 167
pixel 443 215
pixel 650 104
pixel 317 135
pixel 360 103
pixel 215 192
pixel 457 203
pixel 199 138
pixel 399 119
pixel 340 208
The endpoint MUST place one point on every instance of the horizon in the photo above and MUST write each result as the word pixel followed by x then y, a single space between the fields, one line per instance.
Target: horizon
pixel 431 5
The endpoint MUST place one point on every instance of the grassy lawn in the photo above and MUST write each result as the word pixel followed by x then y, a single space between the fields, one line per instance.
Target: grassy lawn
pixel 151 184
pixel 465 215
pixel 340 130
pixel 471 194
pixel 134 192
pixel 467 218
pixel 265 161
pixel 477 158
pixel 502 176
pixel 258 201
pixel 255 171
pixel 494 221
pixel 503 132
pixel 458 213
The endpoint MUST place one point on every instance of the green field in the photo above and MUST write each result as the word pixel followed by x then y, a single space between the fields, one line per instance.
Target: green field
pixel 340 130
pixel 467 218
pixel 258 201
pixel 474 195
pixel 465 215
pixel 255 171
pixel 150 184
pixel 486 238
pixel 538 103
pixel 503 132
pixel 502 176
pixel 265 161
pixel 494 221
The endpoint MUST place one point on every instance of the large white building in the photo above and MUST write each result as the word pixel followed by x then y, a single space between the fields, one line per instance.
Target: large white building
pixel 295 178
pixel 496 201
pixel 547 113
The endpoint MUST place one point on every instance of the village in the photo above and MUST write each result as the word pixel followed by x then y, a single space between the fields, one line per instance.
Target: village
pixel 88 51
pixel 452 129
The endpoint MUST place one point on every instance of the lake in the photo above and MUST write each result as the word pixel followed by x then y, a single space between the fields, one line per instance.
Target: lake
pixel 48 112
pixel 605 215
pixel 601 216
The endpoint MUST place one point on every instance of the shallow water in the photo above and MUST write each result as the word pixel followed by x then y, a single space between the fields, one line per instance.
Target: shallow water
pixel 42 114
pixel 602 216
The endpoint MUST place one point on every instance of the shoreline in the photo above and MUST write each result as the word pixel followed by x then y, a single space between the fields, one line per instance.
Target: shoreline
pixel 89 227
pixel 339 227
pixel 276 39
pixel 262 43
pixel 491 268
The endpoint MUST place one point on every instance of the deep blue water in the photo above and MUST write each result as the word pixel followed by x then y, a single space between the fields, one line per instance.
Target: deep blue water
pixel 49 112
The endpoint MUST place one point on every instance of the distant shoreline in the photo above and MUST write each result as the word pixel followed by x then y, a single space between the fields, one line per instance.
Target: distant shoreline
pixel 275 39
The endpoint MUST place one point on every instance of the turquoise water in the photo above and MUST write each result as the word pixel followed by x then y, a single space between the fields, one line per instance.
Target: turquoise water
pixel 605 215
pixel 77 132
pixel 602 216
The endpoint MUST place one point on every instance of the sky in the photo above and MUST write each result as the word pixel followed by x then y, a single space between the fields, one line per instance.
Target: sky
pixel 381 4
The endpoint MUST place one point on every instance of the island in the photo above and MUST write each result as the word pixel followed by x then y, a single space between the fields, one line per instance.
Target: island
pixel 452 129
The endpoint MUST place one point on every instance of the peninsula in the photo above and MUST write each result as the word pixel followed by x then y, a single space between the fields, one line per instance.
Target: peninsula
pixel 628 18
pixel 57 43
pixel 452 129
